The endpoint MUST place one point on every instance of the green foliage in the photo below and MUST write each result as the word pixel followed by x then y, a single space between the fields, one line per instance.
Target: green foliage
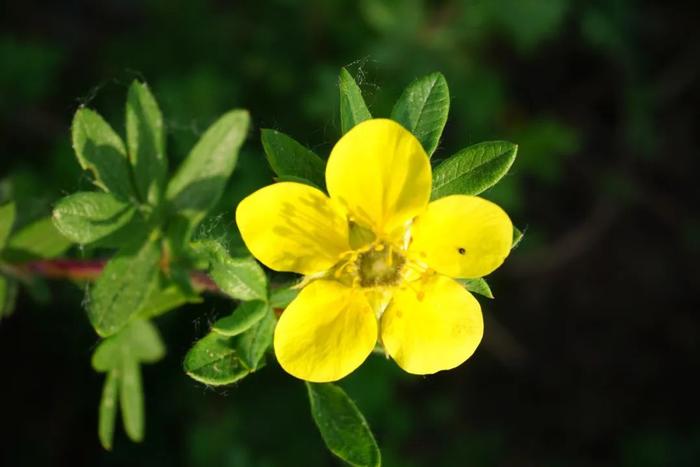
pixel 40 239
pixel 165 297
pixel 243 318
pixel 253 343
pixel 240 278
pixel 422 109
pixel 107 415
pixel 353 109
pixel 8 296
pixel 131 400
pixel 100 150
pixel 89 217
pixel 289 158
pixel 517 237
pixel 479 286
pixel 7 219
pixel 8 286
pixel 220 359
pixel 145 137
pixel 123 287
pixel 157 266
pixel 215 360
pixel 138 341
pixel 199 181
pixel 120 356
pixel 474 169
pixel 343 427
pixel 283 296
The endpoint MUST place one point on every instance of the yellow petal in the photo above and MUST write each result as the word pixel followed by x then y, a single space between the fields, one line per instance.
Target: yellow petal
pixel 325 333
pixel 380 173
pixel 293 227
pixel 462 236
pixel 435 329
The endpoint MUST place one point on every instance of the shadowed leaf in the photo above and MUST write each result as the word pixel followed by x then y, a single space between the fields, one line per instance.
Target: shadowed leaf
pixel 289 158
pixel 342 425
pixel 101 151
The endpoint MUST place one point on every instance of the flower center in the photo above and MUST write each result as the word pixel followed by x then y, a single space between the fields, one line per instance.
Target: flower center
pixel 379 266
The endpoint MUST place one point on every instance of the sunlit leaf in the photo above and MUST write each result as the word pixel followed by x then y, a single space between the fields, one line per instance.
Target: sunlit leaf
pixel 108 409
pixel 422 109
pixel 474 169
pixel 479 286
pixel 89 217
pixel 353 109
pixel 123 287
pixel 145 138
pixel 199 181
pixel 214 360
pixel 131 399
pixel 101 151
pixel 120 356
pixel 7 219
pixel 245 316
pixel 517 237
pixel 253 343
pixel 138 341
pixel 342 425
pixel 166 297
pixel 240 278
pixel 289 158
pixel 38 240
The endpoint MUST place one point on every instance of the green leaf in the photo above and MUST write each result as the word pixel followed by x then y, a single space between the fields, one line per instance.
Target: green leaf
pixel 165 298
pixel 100 150
pixel 214 360
pixel 353 109
pixel 473 169
pixel 253 343
pixel 123 287
pixel 108 410
pixel 8 296
pixel 289 158
pixel 131 399
pixel 243 318
pixel 139 341
pixel 145 138
pixel 240 278
pixel 199 182
pixel 7 218
pixel 120 355
pixel 283 296
pixel 479 286
pixel 422 109
pixel 342 426
pixel 90 217
pixel 38 240
pixel 517 237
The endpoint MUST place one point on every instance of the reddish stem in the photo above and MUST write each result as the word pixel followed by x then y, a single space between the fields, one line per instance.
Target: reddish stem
pixel 90 269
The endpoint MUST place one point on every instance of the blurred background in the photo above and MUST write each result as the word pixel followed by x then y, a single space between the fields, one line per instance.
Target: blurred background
pixel 592 341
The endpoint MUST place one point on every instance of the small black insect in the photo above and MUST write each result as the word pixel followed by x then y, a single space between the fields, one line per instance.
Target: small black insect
pixel 461 250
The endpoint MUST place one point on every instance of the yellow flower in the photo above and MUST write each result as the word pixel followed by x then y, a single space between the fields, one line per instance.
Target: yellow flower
pixel 378 256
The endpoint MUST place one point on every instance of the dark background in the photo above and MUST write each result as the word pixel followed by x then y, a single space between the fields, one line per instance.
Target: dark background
pixel 591 346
